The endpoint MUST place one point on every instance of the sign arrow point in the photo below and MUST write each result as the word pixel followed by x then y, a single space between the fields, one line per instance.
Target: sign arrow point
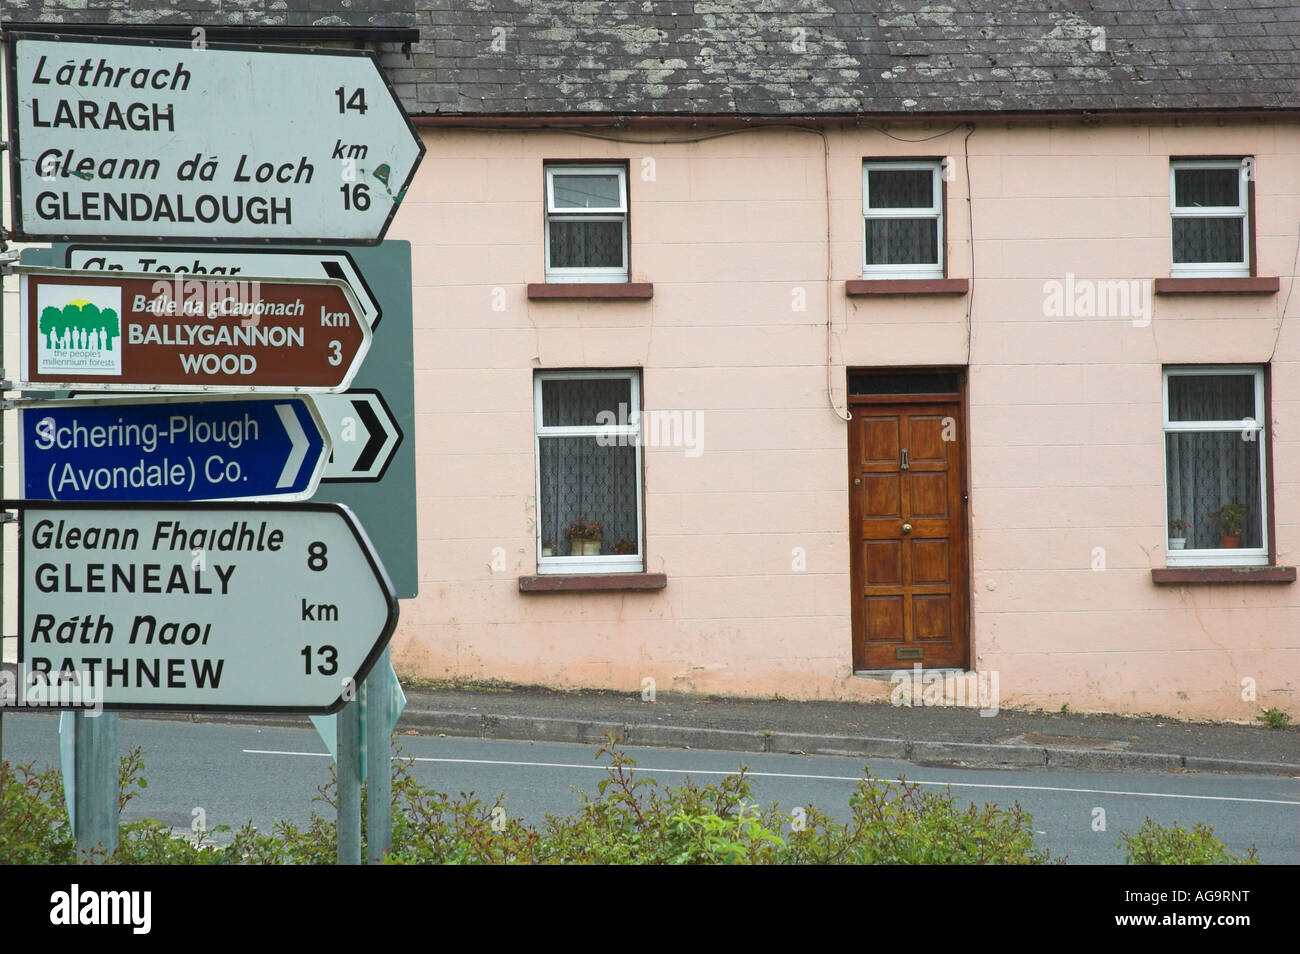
pixel 378 436
pixel 298 438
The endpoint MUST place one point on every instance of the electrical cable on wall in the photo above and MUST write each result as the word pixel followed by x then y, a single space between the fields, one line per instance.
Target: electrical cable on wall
pixel 970 231
pixel 1281 318
pixel 704 137
pixel 591 133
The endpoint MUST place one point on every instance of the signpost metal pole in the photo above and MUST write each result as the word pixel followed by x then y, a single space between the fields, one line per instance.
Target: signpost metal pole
pixel 348 766
pixel 96 782
pixel 4 246
pixel 379 768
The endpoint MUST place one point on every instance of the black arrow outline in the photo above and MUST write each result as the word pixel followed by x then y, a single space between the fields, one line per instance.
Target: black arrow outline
pixel 397 429
pixel 378 436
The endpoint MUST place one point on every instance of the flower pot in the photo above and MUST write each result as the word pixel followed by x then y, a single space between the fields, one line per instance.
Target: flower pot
pixel 585 547
pixel 1229 543
pixel 548 551
pixel 1177 543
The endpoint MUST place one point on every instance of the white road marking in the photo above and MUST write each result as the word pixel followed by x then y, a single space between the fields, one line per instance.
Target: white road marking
pixel 817 778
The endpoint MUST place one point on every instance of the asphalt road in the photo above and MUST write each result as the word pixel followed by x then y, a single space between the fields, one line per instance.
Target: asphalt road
pixel 240 772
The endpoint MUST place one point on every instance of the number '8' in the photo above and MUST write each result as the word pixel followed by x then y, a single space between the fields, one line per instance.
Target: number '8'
pixel 316 556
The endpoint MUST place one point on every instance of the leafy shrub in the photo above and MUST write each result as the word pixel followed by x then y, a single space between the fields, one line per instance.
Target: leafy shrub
pixel 1274 718
pixel 1156 845
pixel 33 822
pixel 630 820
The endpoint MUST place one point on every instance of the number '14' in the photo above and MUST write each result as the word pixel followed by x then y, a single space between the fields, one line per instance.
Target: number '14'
pixel 356 101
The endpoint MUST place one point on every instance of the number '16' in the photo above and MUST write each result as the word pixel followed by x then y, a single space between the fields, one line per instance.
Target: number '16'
pixel 355 196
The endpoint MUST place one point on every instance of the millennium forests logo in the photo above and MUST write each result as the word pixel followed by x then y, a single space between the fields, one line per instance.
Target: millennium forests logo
pixel 79 329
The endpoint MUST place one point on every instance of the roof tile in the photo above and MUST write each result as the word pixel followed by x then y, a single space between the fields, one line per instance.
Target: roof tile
pixel 786 57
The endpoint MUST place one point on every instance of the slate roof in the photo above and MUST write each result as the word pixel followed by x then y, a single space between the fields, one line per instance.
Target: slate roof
pixel 793 57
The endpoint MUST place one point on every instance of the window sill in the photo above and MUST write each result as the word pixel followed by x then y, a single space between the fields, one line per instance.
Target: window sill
pixel 591 582
pixel 1224 574
pixel 858 287
pixel 1217 286
pixel 577 290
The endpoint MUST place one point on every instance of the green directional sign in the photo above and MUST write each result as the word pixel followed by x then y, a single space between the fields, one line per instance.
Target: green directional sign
pixel 373 471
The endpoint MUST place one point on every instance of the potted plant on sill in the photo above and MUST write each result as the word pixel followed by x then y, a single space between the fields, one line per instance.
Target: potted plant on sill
pixel 1228 519
pixel 548 548
pixel 584 538
pixel 1178 534
pixel 624 547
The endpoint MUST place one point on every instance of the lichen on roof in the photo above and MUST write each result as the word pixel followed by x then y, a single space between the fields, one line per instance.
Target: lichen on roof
pixel 785 57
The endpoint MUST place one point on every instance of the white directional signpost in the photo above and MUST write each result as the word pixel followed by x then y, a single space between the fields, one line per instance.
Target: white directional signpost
pixel 199 262
pixel 183 605
pixel 267 607
pixel 118 138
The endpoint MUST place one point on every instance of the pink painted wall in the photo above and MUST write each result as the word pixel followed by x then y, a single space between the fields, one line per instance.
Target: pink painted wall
pixel 1065 413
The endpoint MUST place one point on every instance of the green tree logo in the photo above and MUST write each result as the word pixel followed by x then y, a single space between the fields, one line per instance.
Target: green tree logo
pixel 51 325
pixel 79 325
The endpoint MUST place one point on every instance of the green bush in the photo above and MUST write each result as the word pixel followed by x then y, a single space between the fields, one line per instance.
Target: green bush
pixel 630 820
pixel 1274 718
pixel 33 822
pixel 1156 845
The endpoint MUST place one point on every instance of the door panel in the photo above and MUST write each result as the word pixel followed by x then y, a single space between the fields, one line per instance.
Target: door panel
pixel 909 564
pixel 884 562
pixel 930 561
pixel 932 616
pixel 883 494
pixel 884 618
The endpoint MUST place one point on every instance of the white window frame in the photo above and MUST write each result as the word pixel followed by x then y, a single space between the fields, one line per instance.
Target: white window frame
pixel 1242 208
pixel 935 211
pixel 1251 556
pixel 609 214
pixel 608 563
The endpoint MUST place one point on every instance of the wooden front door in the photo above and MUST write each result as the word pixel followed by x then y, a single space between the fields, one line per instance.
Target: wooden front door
pixel 908 560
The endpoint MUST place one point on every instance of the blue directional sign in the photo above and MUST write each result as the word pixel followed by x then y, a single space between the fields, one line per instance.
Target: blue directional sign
pixel 216 447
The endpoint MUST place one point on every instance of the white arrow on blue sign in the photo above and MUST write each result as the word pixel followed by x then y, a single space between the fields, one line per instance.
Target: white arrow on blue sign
pixel 177 449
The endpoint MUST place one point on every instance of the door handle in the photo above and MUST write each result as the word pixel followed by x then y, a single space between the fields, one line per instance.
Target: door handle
pixel 907 528
pixel 905 464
